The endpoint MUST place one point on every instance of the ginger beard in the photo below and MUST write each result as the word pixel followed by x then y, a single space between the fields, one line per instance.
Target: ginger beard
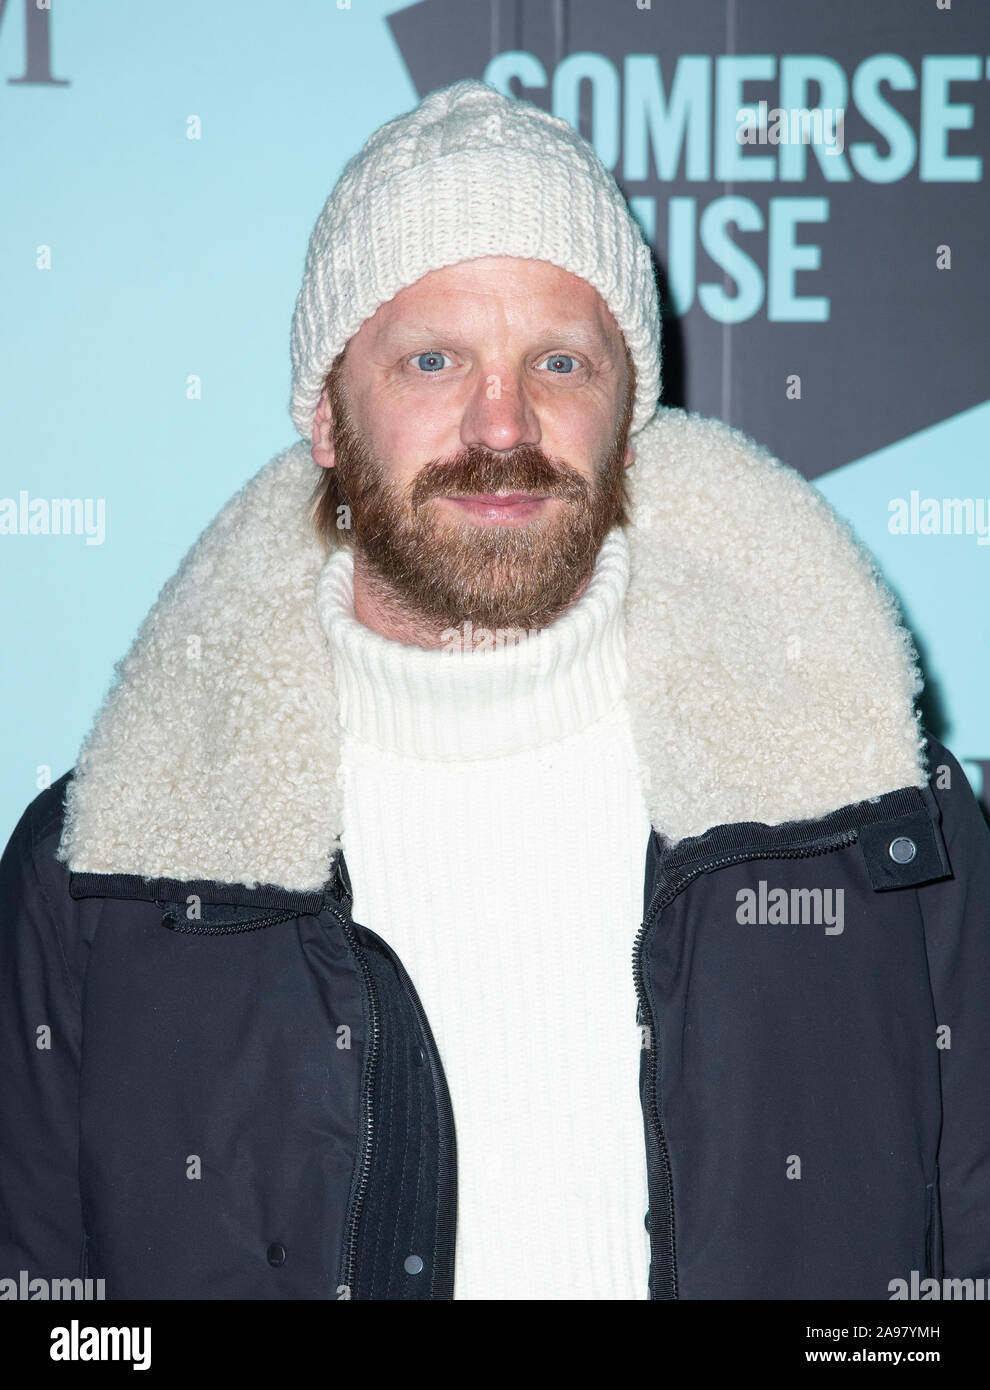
pixel 450 571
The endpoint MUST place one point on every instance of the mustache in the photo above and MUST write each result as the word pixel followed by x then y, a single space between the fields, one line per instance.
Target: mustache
pixel 478 470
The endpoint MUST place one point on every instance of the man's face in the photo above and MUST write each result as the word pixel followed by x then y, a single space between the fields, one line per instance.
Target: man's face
pixel 479 430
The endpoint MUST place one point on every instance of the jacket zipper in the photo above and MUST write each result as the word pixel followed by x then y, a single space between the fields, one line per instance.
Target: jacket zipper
pixel 228 928
pixel 664 1286
pixel 447 1144
pixel 446 1141
pixel 360 1188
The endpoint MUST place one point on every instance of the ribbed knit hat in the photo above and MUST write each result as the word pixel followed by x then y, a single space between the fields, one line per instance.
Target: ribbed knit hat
pixel 469 173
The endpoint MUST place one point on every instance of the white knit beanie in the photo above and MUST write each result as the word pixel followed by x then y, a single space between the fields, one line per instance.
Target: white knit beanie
pixel 469 173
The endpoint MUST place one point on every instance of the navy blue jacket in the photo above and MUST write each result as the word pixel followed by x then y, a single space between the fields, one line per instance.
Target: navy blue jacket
pixel 250 1104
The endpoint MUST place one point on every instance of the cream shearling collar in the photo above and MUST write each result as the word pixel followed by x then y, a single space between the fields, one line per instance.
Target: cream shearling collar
pixel 769 676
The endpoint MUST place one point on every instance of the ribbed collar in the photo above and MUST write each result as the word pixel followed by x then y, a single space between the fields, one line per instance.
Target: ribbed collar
pixel 452 705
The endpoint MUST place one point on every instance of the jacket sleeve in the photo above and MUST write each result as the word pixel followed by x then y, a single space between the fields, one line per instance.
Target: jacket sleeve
pixel 41 1227
pixel 957 930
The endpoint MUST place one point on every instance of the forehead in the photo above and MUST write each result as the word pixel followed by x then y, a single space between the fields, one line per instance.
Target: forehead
pixel 494 291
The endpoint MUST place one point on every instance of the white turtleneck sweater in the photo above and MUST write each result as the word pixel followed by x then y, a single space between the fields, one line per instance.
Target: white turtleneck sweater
pixel 495 832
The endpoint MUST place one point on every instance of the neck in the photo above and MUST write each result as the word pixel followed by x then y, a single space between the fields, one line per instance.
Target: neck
pixel 380 607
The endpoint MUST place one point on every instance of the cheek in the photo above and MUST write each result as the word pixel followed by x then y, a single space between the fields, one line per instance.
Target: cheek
pixel 406 439
pixel 583 449
pixel 581 435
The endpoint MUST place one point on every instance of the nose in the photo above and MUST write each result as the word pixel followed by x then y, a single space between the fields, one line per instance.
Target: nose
pixel 499 415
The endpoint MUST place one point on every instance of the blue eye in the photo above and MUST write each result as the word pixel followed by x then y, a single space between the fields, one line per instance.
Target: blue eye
pixel 561 360
pixel 433 361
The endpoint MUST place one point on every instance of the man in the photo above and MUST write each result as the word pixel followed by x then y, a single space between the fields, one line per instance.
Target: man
pixel 615 726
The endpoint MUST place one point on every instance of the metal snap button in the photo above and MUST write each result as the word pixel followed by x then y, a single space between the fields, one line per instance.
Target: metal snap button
pixel 902 850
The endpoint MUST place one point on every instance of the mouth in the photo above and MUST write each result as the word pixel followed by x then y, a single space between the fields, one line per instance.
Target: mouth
pixel 500 508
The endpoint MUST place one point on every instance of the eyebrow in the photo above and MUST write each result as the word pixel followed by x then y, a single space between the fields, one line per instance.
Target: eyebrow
pixel 552 333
